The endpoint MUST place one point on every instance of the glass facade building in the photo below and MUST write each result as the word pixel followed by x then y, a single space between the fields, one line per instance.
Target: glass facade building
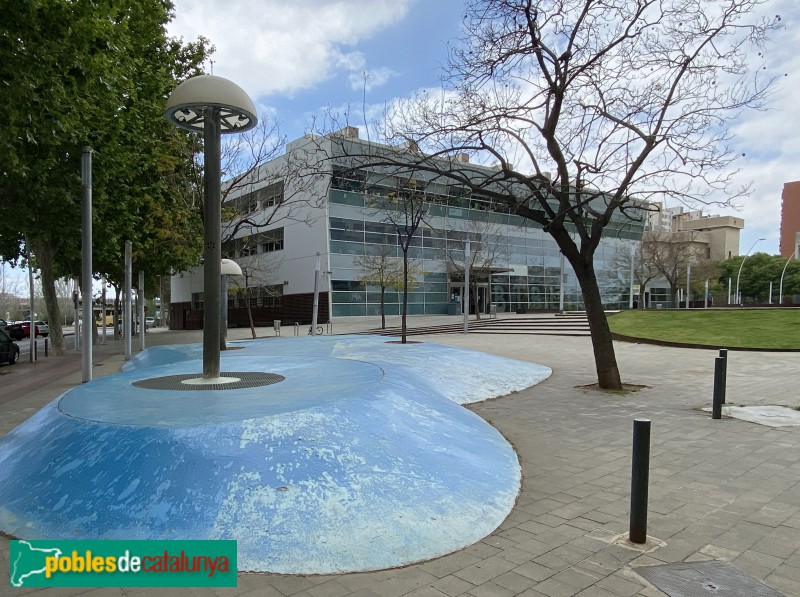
pixel 336 220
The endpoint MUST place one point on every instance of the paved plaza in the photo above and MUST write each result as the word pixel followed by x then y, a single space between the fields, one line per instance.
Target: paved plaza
pixel 726 490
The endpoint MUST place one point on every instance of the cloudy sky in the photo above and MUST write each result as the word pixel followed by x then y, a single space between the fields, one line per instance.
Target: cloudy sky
pixel 297 59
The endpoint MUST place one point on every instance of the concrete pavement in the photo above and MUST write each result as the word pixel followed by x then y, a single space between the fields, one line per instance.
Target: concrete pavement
pixel 727 490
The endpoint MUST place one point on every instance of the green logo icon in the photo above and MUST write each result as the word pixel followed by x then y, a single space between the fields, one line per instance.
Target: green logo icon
pixel 123 563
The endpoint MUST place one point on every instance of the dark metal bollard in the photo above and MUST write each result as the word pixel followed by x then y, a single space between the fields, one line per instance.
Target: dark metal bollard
pixel 45 347
pixel 723 353
pixel 36 350
pixel 719 388
pixel 640 478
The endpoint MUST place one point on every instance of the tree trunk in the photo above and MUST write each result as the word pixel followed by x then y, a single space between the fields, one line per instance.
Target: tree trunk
pixel 605 360
pixel 475 301
pixel 383 308
pixel 642 290
pixel 246 293
pixel 405 293
pixel 44 256
pixel 117 314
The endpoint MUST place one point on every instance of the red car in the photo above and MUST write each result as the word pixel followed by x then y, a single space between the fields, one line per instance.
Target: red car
pixel 26 328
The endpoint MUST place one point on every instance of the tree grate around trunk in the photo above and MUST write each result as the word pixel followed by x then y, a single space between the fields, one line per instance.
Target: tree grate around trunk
pixel 247 379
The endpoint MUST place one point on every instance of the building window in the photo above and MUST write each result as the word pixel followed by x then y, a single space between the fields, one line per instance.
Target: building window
pixel 266 296
pixel 197 301
pixel 273 194
pixel 262 198
pixel 271 240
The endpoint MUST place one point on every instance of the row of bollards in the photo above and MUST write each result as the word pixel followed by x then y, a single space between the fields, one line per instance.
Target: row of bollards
pixel 640 460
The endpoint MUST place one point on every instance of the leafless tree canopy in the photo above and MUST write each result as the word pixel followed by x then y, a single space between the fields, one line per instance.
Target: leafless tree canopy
pixel 585 109
pixel 670 254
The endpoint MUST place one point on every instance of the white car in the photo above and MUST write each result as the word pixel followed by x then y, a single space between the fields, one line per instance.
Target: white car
pixel 42 329
pixel 149 322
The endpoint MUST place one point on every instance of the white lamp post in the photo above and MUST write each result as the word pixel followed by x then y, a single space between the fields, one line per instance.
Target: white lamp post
pixel 739 275
pixel 211 105
pixel 780 291
pixel 228 267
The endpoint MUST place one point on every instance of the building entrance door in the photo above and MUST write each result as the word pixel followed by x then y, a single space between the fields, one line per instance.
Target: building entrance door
pixel 457 294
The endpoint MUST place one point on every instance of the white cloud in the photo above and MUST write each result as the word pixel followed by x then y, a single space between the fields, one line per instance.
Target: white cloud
pixel 370 79
pixel 275 46
pixel 769 139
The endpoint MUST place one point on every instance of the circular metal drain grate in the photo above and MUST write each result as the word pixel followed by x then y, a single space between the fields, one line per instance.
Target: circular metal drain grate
pixel 246 379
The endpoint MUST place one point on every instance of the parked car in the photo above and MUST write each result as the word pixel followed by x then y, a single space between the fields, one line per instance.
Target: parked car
pixel 42 328
pixel 26 328
pixel 13 329
pixel 9 351
pixel 149 322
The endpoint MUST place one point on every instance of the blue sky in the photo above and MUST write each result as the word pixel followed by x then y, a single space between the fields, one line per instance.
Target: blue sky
pixel 298 59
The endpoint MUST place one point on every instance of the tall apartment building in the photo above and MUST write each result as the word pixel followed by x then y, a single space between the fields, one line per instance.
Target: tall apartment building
pixel 790 220
pixel 340 223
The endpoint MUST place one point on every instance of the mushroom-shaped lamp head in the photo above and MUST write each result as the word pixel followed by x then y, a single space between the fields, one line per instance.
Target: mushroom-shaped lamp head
pixel 229 267
pixel 187 104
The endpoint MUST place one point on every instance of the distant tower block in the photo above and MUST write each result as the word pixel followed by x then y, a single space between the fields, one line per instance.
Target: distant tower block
pixel 790 219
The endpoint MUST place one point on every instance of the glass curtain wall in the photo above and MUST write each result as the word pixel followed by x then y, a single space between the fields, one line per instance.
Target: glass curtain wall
pixel 532 258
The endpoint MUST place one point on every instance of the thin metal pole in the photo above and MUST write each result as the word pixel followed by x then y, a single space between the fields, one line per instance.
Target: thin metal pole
pixel 32 328
pixel 729 292
pixel 688 284
pixel 466 286
pixel 76 321
pixel 739 275
pixel 223 312
pixel 705 296
pixel 640 478
pixel 127 316
pixel 770 292
pixel 213 251
pixel 103 307
pixel 315 310
pixel 633 256
pixel 780 292
pixel 86 262
pixel 561 285
pixel 141 299
pixel 723 353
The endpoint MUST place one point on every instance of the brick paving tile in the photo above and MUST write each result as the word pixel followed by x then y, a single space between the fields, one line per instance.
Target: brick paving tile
pixel 452 585
pixel 490 589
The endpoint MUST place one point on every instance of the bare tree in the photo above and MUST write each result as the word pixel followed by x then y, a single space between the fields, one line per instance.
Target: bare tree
pixel 670 253
pixel 587 110
pixel 254 283
pixel 405 208
pixel 487 248
pixel 644 270
pixel 12 286
pixel 382 269
pixel 266 182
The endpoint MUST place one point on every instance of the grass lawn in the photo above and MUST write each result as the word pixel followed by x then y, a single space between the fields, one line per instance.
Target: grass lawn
pixel 729 328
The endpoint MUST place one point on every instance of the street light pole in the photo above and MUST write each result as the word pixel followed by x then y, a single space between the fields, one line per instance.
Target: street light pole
pixel 211 105
pixel 739 275
pixel 780 292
